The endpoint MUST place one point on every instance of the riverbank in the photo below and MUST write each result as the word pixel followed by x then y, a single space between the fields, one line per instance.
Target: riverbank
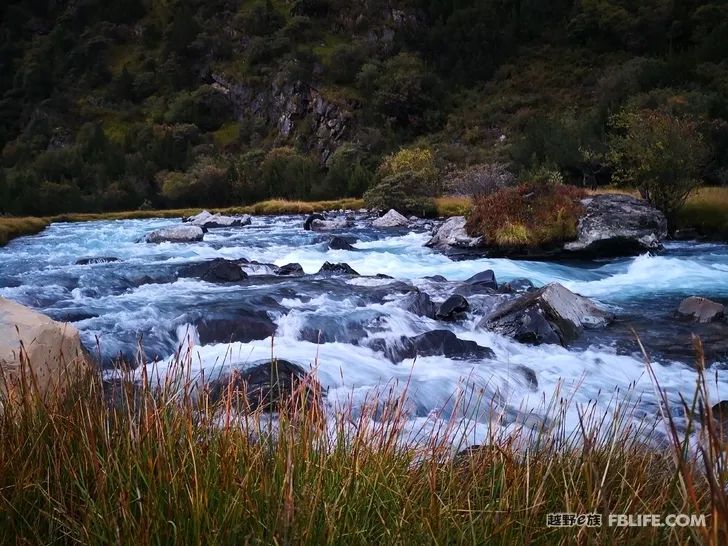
pixel 12 227
pixel 705 213
pixel 162 467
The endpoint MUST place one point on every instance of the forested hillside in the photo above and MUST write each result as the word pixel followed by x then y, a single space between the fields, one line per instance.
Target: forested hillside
pixel 158 103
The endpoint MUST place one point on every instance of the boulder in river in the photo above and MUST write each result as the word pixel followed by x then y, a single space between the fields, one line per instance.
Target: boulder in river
pixel 97 260
pixel 480 283
pixel 451 234
pixel 337 269
pixel 241 328
pixel 420 304
pixel 618 225
pixel 390 220
pixel 215 271
pixel 318 222
pixel 290 270
pixel 340 243
pixel 267 385
pixel 552 314
pixel 51 351
pixel 435 343
pixel 453 308
pixel 516 286
pixel 176 234
pixel 206 220
pixel 701 310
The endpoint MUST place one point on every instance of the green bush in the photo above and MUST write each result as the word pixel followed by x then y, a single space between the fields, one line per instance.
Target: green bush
pixel 287 173
pixel 205 107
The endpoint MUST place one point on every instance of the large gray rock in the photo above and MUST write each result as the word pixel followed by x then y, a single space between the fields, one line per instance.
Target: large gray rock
pixel 435 343
pixel 207 220
pixel 176 234
pixel 452 234
pixel 701 310
pixel 618 225
pixel 51 352
pixel 326 225
pixel 552 314
pixel 390 220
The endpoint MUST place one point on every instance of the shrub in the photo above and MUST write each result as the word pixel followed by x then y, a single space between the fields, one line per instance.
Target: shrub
pixel 661 154
pixel 407 182
pixel 287 173
pixel 205 107
pixel 478 180
pixel 534 215
pixel 347 174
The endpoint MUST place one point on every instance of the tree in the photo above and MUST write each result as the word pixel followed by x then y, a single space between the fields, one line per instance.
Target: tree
pixel 659 153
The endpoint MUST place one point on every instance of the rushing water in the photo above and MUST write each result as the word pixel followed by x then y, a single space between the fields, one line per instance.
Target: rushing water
pixel 139 301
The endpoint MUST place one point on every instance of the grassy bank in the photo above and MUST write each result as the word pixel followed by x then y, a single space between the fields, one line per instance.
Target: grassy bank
pixel 164 469
pixel 12 227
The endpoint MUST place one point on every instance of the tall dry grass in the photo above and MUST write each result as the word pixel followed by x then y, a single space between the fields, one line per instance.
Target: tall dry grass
pixel 163 463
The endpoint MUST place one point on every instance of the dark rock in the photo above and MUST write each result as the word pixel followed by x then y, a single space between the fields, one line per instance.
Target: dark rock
pixel 339 243
pixel 434 343
pixel 383 276
pixel 530 376
pixel 516 286
pixel 700 310
pixel 337 269
pixel 467 290
pixel 618 225
pixel 720 416
pixel 453 308
pixel 436 278
pixel 420 304
pixel 97 260
pixel 552 314
pixel 484 278
pixel 242 329
pixel 217 270
pixel 290 269
pixel 267 385
pixel 309 221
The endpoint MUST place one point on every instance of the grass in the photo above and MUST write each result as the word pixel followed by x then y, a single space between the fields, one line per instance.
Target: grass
pixel 17 227
pixel 167 465
pixel 707 212
pixel 450 205
pixel 12 227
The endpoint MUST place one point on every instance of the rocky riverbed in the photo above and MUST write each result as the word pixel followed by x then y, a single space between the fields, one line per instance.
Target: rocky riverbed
pixel 374 309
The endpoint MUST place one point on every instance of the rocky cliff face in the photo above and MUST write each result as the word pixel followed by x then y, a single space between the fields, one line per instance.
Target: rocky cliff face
pixel 286 106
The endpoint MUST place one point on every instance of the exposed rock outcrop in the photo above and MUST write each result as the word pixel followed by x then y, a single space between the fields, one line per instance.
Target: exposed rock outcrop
pixel 552 314
pixel 701 310
pixel 339 243
pixel 290 270
pixel 176 234
pixel 51 350
pixel 390 220
pixel 618 225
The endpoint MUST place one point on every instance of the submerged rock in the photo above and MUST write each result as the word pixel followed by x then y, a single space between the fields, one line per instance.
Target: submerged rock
pixel 701 310
pixel 390 220
pixel 176 234
pixel 434 343
pixel 516 286
pixel 290 270
pixel 339 243
pixel 453 308
pixel 337 269
pixel 207 220
pixel 452 234
pixel 97 260
pixel 618 225
pixel 311 218
pixel 217 270
pixel 267 385
pixel 242 328
pixel 552 314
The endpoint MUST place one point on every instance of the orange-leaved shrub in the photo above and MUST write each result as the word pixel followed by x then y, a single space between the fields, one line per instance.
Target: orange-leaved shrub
pixel 528 215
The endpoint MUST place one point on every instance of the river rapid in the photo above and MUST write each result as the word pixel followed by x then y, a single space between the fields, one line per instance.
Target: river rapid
pixel 139 303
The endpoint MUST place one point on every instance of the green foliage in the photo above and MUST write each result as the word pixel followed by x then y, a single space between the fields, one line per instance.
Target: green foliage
pixel 286 173
pixel 660 154
pixel 204 107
